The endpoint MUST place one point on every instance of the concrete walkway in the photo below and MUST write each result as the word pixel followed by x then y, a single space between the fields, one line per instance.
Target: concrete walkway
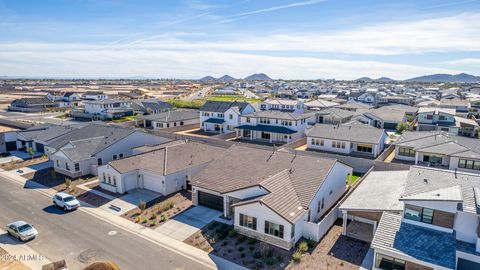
pixel 22 251
pixel 189 222
pixel 33 168
pixel 148 234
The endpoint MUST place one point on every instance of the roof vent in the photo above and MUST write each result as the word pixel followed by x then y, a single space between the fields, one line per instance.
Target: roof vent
pixel 425 180
pixel 291 170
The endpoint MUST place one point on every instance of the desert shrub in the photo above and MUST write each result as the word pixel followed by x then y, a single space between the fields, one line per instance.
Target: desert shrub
pixel 142 205
pixel 163 218
pixel 257 255
pixel 153 216
pixel 279 258
pixel 270 261
pixel 145 220
pixel 153 223
pixel 68 183
pixel 296 257
pixel 252 241
pixel 303 247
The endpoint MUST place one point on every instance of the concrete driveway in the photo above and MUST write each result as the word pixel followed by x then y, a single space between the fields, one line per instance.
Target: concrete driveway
pixel 188 222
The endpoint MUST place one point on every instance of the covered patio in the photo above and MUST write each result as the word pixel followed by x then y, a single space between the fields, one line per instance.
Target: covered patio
pixel 265 133
pixel 378 192
pixel 213 125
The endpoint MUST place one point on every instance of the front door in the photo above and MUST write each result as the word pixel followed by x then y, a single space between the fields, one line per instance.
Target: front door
pixel 265 135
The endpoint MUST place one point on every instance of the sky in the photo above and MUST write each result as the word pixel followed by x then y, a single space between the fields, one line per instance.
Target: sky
pixel 286 39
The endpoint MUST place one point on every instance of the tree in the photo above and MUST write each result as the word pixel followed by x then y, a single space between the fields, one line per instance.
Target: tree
pixel 402 126
pixel 68 183
pixel 142 205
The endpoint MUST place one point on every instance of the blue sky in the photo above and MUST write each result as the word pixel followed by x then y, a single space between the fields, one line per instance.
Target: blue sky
pixel 291 39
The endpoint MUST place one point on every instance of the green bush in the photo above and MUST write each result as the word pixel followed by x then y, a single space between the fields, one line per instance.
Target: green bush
pixel 251 248
pixel 252 241
pixel 232 233
pixel 163 218
pixel 257 255
pixel 68 183
pixel 242 255
pixel 279 258
pixel 153 216
pixel 224 243
pixel 303 247
pixel 270 261
pixel 222 235
pixel 145 220
pixel 211 226
pixel 241 238
pixel 241 249
pixel 296 257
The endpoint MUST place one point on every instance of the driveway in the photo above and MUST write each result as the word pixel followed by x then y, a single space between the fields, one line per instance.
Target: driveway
pixel 129 201
pixel 188 222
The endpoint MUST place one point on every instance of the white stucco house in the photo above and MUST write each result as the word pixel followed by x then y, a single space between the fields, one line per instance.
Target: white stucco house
pixel 347 139
pixel 276 197
pixel 286 105
pixel 222 116
pixel 81 151
pixel 163 168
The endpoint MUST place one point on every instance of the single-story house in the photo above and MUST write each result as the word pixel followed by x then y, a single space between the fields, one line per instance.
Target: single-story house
pixel 274 196
pixel 169 119
pixel 347 139
pixel 165 168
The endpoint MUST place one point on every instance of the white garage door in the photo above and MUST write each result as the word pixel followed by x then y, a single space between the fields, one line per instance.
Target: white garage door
pixel 152 183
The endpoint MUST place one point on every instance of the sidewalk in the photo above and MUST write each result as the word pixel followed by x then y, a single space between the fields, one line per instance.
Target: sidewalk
pixel 148 234
pixel 21 252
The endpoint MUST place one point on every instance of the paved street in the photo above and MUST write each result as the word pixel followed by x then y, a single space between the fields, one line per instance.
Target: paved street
pixel 46 117
pixel 80 238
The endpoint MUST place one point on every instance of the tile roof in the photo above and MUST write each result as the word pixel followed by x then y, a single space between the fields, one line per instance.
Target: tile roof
pixel 179 156
pixel 241 167
pixel 172 116
pixel 277 114
pixel 424 244
pixel 281 197
pixel 351 133
pixel 222 106
pixel 440 142
pixel 145 104
pixel 318 103
pixel 45 133
pixel 433 184
pixel 392 113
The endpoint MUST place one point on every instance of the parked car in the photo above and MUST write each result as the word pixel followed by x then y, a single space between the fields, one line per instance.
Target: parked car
pixel 22 230
pixel 65 201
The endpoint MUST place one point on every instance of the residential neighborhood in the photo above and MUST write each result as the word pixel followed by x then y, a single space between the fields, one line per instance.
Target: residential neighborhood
pixel 235 135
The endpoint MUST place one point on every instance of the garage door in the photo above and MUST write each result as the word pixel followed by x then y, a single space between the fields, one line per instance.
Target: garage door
pixel 210 200
pixel 152 183
pixel 463 264
pixel 40 147
pixel 11 146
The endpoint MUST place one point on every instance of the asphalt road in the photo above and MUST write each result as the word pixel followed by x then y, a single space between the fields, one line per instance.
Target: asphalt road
pixel 80 238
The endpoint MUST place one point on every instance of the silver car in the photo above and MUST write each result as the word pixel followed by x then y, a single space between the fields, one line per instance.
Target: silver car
pixel 65 201
pixel 22 230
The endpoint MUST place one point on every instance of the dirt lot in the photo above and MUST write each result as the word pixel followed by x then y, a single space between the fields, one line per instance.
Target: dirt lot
pixel 52 179
pixel 334 251
pixel 161 210
pixel 16 165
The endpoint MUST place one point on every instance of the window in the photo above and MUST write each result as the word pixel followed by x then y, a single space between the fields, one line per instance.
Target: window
pixel 77 167
pixel 221 115
pixel 109 179
pixel 406 152
pixel 389 263
pixel 418 213
pixel 120 155
pixel 114 181
pixel 469 164
pixel 441 117
pixel 58 163
pixel 292 234
pixel 274 229
pixel 336 144
pixel 248 120
pixel 364 148
pixel 429 117
pixel 67 167
pixel 104 178
pixel 181 123
pixel 264 121
pixel 114 157
pixel 99 161
pixel 248 222
pixel 230 116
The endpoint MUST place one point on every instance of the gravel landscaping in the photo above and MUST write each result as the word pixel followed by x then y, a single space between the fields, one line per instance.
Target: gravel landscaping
pixel 50 178
pixel 13 165
pixel 161 210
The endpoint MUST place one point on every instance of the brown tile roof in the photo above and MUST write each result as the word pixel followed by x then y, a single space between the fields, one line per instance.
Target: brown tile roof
pixel 240 167
pixel 179 156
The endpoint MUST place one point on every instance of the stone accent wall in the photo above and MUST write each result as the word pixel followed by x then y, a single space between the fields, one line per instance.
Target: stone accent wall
pixel 282 243
pixel 443 219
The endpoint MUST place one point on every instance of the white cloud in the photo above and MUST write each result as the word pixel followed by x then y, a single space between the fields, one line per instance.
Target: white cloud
pixel 466 62
pixel 193 64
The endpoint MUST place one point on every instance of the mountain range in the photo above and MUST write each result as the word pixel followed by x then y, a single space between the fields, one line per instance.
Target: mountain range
pixel 227 78
pixel 433 78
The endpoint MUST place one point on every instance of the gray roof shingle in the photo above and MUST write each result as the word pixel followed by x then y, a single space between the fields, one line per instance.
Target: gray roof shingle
pixel 356 133
pixel 222 106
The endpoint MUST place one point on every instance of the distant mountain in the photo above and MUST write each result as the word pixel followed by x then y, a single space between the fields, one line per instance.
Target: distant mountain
pixel 364 79
pixel 459 78
pixel 226 78
pixel 207 78
pixel 384 79
pixel 258 77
